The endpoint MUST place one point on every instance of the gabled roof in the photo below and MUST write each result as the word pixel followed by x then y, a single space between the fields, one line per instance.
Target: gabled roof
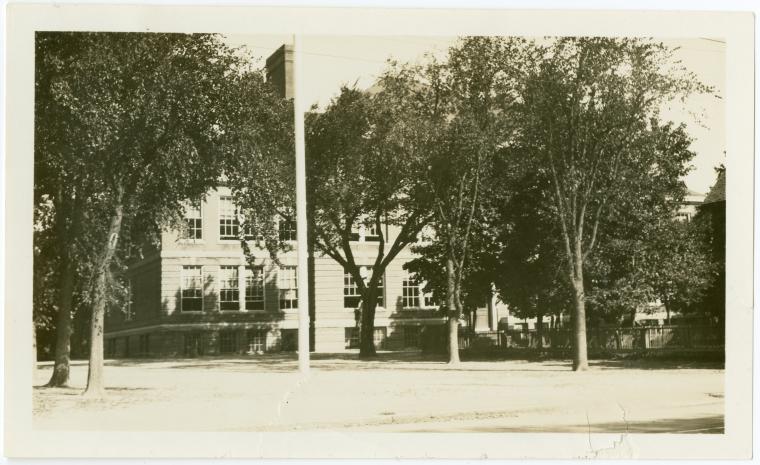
pixel 718 191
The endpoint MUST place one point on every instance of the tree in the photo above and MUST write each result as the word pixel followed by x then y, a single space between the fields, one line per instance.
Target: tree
pixel 527 254
pixel 589 117
pixel 364 170
pixel 142 116
pixel 476 286
pixel 63 192
pixel 466 102
pixel 259 163
pixel 44 270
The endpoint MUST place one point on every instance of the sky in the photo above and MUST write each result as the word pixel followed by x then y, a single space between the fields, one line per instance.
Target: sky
pixel 332 61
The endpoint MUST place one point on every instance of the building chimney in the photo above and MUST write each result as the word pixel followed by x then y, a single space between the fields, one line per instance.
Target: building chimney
pixel 279 69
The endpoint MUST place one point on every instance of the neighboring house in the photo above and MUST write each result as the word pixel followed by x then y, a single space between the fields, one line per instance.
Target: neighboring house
pixel 652 314
pixel 714 209
pixel 690 205
pixel 196 294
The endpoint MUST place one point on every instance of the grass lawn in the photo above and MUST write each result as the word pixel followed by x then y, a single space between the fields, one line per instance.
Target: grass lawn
pixel 397 392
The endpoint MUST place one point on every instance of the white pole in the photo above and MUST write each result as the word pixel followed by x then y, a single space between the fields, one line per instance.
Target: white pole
pixel 303 251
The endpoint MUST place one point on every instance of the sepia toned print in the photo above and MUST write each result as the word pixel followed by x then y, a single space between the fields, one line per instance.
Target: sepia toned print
pixel 423 201
pixel 486 220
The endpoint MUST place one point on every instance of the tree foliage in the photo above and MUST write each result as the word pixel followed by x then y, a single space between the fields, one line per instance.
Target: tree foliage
pixel 589 115
pixel 365 170
pixel 128 127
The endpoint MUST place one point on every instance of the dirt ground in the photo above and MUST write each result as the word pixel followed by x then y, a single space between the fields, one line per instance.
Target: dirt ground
pixel 395 393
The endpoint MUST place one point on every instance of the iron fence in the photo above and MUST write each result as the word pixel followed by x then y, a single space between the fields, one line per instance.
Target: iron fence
pixel 604 338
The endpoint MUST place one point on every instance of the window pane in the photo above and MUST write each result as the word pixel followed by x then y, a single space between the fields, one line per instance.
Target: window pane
pixel 352 337
pixel 351 297
pixel 192 289
pixel 257 340
pixel 288 285
pixel 227 342
pixel 229 295
pixel 410 293
pixel 228 224
pixel 287 230
pixel 254 288
pixel 193 220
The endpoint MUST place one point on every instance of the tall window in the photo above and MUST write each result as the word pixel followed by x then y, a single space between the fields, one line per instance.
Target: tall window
pixel 428 300
pixel 351 337
pixel 257 340
pixel 192 289
pixel 287 230
pixel 228 223
pixel 364 231
pixel 287 281
pixel 379 337
pixel 229 293
pixel 351 297
pixel 254 288
pixel 410 292
pixel 248 219
pixel 194 221
pixel 227 342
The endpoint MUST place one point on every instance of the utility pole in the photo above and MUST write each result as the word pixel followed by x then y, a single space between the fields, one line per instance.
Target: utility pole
pixel 301 225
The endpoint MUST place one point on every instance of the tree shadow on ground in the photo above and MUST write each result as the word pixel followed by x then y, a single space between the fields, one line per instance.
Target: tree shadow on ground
pixel 662 361
pixel 655 364
pixel 75 391
pixel 702 425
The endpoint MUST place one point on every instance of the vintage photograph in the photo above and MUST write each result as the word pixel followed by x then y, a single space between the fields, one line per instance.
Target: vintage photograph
pixel 407 234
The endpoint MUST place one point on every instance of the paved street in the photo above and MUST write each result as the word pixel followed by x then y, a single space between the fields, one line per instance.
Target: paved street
pixel 397 393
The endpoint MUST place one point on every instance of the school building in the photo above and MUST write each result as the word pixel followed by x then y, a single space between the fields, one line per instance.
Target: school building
pixel 197 295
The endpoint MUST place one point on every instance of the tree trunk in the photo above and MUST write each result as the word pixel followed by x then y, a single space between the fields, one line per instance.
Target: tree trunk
pixel 667 313
pixel 367 333
pixel 633 317
pixel 491 324
pixel 95 371
pixel 540 330
pixel 60 376
pixel 580 350
pixel 453 312
pixel 34 349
